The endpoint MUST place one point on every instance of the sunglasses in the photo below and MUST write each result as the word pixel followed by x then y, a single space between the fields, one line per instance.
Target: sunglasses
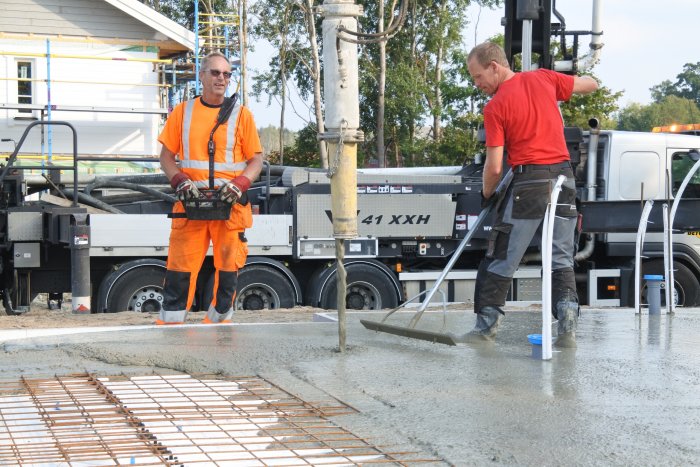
pixel 216 73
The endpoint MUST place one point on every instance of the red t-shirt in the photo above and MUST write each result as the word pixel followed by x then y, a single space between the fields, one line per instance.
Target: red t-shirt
pixel 523 116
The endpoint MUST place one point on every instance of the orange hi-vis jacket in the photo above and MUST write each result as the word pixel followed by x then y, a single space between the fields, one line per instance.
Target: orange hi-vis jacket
pixel 186 133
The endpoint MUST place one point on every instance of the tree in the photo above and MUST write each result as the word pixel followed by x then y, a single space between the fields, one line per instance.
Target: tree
pixel 671 109
pixel 182 11
pixel 291 28
pixel 303 153
pixel 424 80
pixel 601 104
pixel 687 85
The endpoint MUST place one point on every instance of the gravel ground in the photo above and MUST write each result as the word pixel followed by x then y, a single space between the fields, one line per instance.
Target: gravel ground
pixel 40 316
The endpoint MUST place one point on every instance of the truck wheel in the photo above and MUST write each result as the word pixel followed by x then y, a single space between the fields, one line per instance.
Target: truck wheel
pixel 262 287
pixel 686 286
pixel 369 287
pixel 135 286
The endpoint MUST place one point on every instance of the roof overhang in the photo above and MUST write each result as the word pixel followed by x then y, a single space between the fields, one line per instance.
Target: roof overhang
pixel 182 38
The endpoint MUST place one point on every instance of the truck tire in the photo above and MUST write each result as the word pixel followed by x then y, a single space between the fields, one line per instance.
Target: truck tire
pixel 686 286
pixel 263 287
pixel 370 286
pixel 134 286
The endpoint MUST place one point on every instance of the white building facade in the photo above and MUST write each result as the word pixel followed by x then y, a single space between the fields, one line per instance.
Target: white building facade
pixel 99 65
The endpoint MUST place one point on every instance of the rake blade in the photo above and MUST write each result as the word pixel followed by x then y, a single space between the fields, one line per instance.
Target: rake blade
pixel 429 336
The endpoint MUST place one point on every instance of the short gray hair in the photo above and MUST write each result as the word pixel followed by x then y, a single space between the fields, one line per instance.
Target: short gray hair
pixel 208 58
pixel 488 52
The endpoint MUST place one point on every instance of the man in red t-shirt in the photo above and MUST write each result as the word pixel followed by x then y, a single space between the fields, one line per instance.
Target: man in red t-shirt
pixel 523 120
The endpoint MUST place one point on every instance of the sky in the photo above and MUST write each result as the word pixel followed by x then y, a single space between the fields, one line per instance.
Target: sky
pixel 645 43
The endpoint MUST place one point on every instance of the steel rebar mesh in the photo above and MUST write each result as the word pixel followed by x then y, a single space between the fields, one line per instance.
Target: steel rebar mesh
pixel 175 420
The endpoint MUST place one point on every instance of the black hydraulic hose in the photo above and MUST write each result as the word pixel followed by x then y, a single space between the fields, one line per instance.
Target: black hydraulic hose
pixel 146 179
pixel 129 186
pixel 92 201
pixel 140 179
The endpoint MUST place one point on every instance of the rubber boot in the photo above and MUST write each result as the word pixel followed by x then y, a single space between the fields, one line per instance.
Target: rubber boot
pixel 567 316
pixel 487 321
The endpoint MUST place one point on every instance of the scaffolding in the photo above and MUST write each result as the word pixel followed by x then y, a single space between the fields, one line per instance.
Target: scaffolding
pixel 214 32
pixel 177 76
pixel 46 111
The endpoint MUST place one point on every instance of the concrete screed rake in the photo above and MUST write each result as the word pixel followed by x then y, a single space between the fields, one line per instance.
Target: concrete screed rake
pixel 432 336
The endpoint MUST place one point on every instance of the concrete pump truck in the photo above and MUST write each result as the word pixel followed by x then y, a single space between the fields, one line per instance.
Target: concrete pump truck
pixel 107 245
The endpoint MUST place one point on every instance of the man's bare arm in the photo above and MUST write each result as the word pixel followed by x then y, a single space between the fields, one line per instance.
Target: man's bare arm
pixel 252 170
pixel 493 169
pixel 584 85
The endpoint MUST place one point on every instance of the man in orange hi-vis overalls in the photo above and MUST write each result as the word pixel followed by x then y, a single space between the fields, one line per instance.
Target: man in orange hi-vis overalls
pixel 188 136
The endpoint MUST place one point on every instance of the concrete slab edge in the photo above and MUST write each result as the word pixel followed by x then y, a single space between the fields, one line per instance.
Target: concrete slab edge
pixel 15 334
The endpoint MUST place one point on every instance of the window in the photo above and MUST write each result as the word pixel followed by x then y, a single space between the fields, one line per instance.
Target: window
pixel 680 166
pixel 24 88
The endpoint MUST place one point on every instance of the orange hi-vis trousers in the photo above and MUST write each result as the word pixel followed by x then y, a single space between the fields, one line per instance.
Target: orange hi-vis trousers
pixel 189 243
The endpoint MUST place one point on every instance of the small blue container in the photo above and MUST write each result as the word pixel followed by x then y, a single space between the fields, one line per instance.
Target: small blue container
pixel 535 339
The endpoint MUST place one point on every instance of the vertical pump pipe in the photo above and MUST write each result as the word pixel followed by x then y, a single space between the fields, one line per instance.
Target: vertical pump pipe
pixel 342 109
pixel 591 183
pixel 596 44
pixel 342 113
pixel 48 97
pixel 527 11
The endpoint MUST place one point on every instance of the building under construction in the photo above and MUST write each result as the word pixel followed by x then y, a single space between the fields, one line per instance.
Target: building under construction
pixel 113 68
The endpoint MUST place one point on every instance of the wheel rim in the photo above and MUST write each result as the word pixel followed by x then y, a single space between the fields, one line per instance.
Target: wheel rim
pixel 146 299
pixel 677 294
pixel 257 297
pixel 363 296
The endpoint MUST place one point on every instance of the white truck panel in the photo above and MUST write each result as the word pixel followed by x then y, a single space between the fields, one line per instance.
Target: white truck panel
pixel 142 234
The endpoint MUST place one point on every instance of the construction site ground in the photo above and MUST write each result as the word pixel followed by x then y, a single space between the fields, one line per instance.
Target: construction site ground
pixel 628 395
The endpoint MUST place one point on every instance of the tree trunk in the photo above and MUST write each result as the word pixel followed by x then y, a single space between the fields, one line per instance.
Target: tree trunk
pixel 320 124
pixel 397 153
pixel 243 39
pixel 437 107
pixel 381 156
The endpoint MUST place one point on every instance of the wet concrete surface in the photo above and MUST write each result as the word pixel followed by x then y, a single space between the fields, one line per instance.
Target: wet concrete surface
pixel 629 395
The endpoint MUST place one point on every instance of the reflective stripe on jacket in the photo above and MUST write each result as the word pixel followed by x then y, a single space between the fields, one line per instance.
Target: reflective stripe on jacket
pixel 197 165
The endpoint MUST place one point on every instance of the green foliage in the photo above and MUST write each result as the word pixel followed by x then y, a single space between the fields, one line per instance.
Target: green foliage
pixel 281 23
pixel 671 109
pixel 303 152
pixel 687 85
pixel 601 104
pixel 426 84
pixel 182 11
pixel 270 138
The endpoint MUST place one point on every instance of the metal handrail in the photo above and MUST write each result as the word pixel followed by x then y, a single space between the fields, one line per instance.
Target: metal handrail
pixel 11 159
